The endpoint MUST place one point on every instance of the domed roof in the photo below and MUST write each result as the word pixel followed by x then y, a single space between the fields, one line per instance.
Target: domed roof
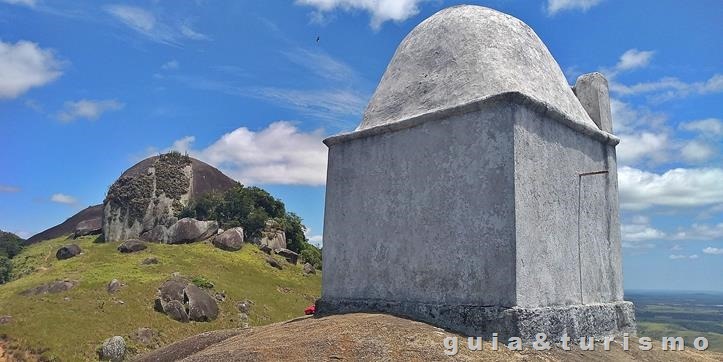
pixel 463 54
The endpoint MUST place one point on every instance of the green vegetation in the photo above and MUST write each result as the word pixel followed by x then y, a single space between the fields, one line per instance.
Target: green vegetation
pixel 10 244
pixel 69 325
pixel 250 208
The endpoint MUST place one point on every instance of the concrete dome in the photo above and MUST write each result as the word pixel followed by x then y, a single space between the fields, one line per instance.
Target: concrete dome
pixel 466 53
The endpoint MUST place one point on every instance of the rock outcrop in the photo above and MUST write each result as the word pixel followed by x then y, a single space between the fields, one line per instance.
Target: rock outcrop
pixel 51 288
pixel 153 191
pixel 287 254
pixel 92 226
pixel 184 301
pixel 68 251
pixel 230 240
pixel 271 235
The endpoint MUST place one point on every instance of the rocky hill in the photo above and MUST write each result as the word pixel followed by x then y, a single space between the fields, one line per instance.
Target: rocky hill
pixel 67 227
pixel 159 184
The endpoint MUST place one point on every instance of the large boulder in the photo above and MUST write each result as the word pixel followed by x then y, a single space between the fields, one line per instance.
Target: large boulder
pixel 131 246
pixel 201 306
pixel 68 251
pixel 230 240
pixel 287 254
pixel 153 191
pixel 113 349
pixel 92 226
pixel 184 301
pixel 190 230
pixel 272 235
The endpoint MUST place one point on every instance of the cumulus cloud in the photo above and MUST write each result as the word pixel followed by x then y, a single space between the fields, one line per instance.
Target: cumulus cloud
pixel 380 10
pixel 713 251
pixel 640 146
pixel 700 232
pixel 25 65
pixel 555 6
pixel 88 109
pixel 678 187
pixel 639 233
pixel 8 188
pixel 277 154
pixel 146 23
pixel 63 199
pixel 697 151
pixel 634 58
pixel 668 88
pixel 709 127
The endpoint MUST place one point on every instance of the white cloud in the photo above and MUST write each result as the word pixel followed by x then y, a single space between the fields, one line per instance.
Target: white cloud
pixel 634 58
pixel 640 232
pixel 28 3
pixel 25 65
pixel 700 232
pixel 63 199
pixel 88 109
pixel 277 154
pixel 330 105
pixel 170 65
pixel 380 10
pixel 679 257
pixel 8 188
pixel 555 6
pixel 697 151
pixel 640 146
pixel 146 23
pixel 713 251
pixel 668 88
pixel 711 127
pixel 678 187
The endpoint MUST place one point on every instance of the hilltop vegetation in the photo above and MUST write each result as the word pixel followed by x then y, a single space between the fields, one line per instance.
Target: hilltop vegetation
pixel 70 325
pixel 10 246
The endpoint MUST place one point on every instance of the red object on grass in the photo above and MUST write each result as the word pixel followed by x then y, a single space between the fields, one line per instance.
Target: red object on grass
pixel 310 310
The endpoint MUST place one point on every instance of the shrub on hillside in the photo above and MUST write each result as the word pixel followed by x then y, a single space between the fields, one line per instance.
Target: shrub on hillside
pixel 10 244
pixel 250 208
pixel 6 268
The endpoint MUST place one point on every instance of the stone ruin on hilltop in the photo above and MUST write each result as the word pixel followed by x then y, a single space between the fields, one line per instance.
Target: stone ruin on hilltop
pixel 479 193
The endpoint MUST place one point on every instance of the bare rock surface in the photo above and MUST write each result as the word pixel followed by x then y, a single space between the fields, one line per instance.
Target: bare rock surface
pixel 114 286
pixel 287 254
pixel 377 337
pixel 51 288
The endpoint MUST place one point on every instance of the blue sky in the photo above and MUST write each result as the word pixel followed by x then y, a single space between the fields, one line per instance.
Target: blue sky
pixel 88 88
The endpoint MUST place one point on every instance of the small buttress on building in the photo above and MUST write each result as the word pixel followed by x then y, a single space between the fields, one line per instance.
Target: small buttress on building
pixel 479 193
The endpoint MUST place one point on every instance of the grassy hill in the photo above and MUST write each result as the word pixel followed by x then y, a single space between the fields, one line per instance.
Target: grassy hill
pixel 70 325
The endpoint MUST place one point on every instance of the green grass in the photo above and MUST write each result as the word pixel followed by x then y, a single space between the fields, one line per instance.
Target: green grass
pixel 72 329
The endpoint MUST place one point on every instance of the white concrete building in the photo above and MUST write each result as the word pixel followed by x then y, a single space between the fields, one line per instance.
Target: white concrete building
pixel 479 192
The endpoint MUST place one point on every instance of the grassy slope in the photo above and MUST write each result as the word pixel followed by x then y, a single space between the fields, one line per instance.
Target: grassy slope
pixel 72 329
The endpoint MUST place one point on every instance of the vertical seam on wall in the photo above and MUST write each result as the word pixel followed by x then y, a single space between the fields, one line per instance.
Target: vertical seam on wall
pixel 579 247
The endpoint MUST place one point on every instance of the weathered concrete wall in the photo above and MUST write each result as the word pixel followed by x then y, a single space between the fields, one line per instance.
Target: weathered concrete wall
pixel 568 241
pixel 424 214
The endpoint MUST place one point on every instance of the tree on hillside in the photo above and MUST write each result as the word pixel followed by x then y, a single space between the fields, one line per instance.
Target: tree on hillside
pixel 10 244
